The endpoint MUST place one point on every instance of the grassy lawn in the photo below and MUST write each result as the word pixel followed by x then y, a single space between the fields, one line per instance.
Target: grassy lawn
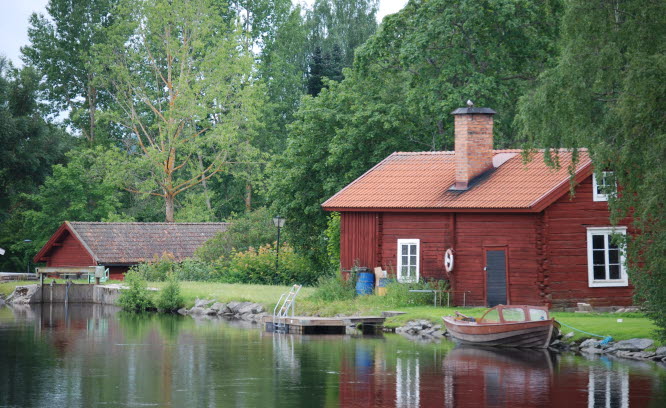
pixel 226 292
pixel 632 325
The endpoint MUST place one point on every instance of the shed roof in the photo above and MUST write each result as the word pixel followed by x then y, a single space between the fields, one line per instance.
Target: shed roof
pixel 126 243
pixel 421 181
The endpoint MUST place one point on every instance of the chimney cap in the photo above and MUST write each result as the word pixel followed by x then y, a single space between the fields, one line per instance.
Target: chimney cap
pixel 465 111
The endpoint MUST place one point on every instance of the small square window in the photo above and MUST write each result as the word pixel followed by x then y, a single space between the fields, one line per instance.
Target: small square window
pixel 603 186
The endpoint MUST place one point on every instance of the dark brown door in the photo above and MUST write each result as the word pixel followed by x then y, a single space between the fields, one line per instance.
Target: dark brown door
pixel 496 277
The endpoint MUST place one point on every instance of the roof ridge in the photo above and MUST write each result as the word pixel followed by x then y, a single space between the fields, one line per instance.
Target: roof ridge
pixel 515 150
pixel 147 223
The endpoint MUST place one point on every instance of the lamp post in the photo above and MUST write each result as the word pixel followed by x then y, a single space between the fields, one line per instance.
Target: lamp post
pixel 28 241
pixel 279 223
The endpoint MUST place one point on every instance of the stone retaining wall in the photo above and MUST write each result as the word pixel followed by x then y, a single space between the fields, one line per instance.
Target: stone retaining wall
pixel 77 293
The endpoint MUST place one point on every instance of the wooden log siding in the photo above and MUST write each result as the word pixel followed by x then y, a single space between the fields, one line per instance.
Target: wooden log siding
pixel 359 238
pixel 431 229
pixel 516 234
pixel 566 235
pixel 70 253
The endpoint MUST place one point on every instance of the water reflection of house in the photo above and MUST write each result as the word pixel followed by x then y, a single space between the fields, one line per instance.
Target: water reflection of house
pixel 601 384
pixel 476 377
pixel 369 378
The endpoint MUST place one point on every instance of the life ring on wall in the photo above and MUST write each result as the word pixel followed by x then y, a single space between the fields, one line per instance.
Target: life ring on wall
pixel 448 260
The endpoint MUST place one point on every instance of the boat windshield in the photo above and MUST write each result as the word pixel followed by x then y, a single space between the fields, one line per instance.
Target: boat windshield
pixel 491 316
pixel 513 314
pixel 538 314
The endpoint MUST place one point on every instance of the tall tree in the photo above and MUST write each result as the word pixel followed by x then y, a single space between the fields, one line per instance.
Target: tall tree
pixel 259 20
pixel 30 146
pixel 283 68
pixel 61 44
pixel 336 29
pixel 607 93
pixel 184 88
pixel 423 62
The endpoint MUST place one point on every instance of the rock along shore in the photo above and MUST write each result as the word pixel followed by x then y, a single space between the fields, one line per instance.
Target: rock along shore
pixel 248 311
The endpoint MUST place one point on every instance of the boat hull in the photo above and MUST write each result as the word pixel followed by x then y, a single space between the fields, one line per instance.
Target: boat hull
pixel 532 334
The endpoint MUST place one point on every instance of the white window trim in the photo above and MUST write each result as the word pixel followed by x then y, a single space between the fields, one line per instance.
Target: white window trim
pixel 596 196
pixel 411 241
pixel 593 395
pixel 624 280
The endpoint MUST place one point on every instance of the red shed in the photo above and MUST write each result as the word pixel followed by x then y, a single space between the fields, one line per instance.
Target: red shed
pixel 119 245
pixel 515 233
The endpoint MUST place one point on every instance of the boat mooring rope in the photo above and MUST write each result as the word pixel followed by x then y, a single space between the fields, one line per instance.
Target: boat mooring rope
pixel 606 339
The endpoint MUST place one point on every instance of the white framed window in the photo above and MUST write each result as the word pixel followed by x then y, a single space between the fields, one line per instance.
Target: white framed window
pixel 408 260
pixel 605 259
pixel 603 186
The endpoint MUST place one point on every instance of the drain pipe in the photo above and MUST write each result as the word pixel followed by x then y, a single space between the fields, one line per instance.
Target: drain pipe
pixel 51 290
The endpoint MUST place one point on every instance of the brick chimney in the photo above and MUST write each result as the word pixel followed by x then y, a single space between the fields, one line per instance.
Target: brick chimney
pixel 473 144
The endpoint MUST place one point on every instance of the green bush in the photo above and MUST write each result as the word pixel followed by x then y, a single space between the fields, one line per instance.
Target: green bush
pixel 333 240
pixel 155 271
pixel 160 269
pixel 258 267
pixel 398 294
pixel 170 298
pixel 194 270
pixel 137 297
pixel 332 288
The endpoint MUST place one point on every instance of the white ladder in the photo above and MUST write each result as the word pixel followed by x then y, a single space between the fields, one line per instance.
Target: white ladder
pixel 282 308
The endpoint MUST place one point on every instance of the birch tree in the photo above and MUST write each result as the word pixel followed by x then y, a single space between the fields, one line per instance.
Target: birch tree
pixel 184 92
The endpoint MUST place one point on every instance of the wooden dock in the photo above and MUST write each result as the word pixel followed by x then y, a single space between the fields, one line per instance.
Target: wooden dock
pixel 325 325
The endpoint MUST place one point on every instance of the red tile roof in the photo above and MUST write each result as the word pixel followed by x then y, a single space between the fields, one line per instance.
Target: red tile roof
pixel 126 243
pixel 422 180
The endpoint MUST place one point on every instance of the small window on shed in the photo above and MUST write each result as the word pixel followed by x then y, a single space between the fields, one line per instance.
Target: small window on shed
pixel 538 314
pixel 408 260
pixel 603 186
pixel 513 315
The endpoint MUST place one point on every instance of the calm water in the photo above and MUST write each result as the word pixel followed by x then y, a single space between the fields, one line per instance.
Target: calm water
pixel 90 356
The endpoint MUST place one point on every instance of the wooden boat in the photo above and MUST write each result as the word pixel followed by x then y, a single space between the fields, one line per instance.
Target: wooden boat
pixel 505 326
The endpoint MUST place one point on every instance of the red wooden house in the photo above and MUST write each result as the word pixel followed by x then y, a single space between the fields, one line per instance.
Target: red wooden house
pixel 119 245
pixel 513 230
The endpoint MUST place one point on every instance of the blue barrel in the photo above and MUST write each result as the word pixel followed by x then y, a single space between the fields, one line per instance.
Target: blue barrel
pixel 383 282
pixel 365 283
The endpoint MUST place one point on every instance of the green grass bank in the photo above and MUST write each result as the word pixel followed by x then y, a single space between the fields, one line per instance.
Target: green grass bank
pixel 631 324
